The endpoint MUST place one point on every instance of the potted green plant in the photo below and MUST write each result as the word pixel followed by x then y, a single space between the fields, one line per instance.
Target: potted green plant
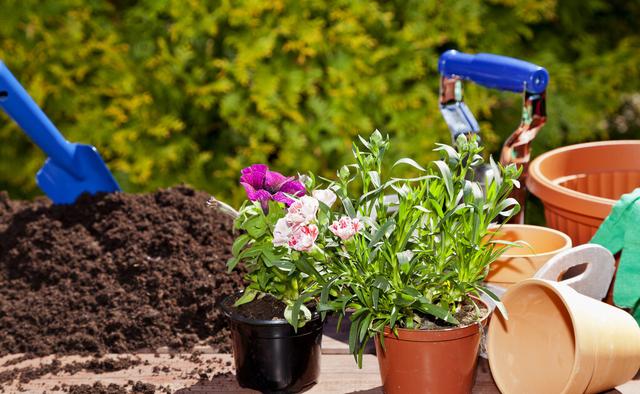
pixel 275 325
pixel 411 277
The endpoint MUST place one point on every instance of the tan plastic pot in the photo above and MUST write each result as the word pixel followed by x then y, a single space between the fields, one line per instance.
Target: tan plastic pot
pixel 520 263
pixel 579 184
pixel 557 340
pixel 430 361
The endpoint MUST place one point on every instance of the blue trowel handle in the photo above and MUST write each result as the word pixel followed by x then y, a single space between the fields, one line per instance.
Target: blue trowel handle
pixel 17 103
pixel 494 71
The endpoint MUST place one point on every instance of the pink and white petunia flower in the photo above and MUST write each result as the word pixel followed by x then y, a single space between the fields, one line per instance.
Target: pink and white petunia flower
pixel 326 196
pixel 281 233
pixel 302 211
pixel 345 227
pixel 303 238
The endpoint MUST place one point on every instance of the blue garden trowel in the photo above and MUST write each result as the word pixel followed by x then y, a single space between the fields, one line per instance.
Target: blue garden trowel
pixel 71 169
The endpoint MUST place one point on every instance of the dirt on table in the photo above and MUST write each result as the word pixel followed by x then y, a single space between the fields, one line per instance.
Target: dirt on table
pixel 112 388
pixel 114 273
pixel 55 367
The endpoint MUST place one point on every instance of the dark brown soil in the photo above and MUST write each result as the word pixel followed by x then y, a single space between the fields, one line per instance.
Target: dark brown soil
pixel 262 308
pixel 266 307
pixel 114 273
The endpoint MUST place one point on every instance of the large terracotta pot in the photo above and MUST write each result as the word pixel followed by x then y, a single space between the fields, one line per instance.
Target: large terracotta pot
pixel 519 263
pixel 579 184
pixel 430 361
pixel 557 340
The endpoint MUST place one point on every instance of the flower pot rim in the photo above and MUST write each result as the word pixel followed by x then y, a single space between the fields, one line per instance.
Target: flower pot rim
pixel 225 305
pixel 552 193
pixel 565 237
pixel 441 334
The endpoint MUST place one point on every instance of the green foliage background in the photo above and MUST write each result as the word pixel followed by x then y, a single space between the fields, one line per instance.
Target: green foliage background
pixel 191 91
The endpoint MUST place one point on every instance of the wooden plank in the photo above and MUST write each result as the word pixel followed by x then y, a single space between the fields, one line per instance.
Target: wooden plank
pixel 340 374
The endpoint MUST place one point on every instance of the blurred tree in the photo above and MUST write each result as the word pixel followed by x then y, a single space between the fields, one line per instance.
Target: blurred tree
pixel 191 91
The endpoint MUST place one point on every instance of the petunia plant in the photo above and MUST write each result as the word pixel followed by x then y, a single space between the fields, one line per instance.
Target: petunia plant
pixel 264 185
pixel 423 244
pixel 283 234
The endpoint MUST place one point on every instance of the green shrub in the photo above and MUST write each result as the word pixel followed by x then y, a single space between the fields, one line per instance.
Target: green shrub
pixel 191 91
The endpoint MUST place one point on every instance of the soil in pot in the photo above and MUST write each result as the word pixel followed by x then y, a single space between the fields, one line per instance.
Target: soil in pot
pixel 114 273
pixel 441 359
pixel 264 308
pixel 270 356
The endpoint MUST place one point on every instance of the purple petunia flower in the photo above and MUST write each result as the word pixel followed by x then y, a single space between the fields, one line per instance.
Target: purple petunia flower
pixel 264 185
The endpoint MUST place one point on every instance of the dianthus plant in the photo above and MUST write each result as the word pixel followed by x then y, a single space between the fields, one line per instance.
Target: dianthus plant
pixel 425 243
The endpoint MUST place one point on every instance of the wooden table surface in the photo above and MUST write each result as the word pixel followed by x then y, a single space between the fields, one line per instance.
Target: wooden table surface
pixel 340 373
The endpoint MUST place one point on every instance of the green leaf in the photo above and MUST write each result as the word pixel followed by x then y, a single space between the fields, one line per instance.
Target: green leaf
pixel 504 204
pixel 231 264
pixel 449 151
pixel 364 327
pixel 446 176
pixel 375 295
pixel 496 300
pixel 394 316
pixel 293 315
pixel 404 257
pixel 382 283
pixel 256 226
pixel 248 296
pixel 411 292
pixel 375 178
pixel 348 207
pixel 373 194
pixel 388 226
pixel 324 295
pixel 364 142
pixel 437 311
pixel 284 265
pixel 409 162
pixel 354 330
pixel 239 243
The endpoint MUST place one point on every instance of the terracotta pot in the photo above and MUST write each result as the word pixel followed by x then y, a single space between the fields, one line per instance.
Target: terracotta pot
pixel 579 184
pixel 520 263
pixel 557 340
pixel 430 361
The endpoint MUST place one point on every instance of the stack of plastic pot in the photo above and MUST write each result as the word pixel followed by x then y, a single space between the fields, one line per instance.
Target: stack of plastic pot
pixel 579 184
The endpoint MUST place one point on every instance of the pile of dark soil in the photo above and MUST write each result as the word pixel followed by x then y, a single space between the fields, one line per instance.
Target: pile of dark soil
pixel 114 273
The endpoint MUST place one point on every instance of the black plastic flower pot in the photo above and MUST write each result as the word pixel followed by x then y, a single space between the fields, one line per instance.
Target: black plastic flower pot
pixel 270 356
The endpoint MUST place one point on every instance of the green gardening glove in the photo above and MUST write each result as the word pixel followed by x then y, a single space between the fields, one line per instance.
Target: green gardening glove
pixel 620 231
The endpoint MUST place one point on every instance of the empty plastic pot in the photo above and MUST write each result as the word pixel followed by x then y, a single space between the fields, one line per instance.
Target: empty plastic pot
pixel 519 263
pixel 557 340
pixel 579 184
